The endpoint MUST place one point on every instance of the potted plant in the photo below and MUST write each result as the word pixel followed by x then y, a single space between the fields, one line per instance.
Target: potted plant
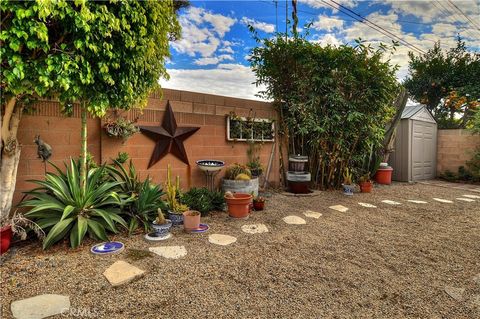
pixel 191 220
pixel 238 179
pixel 259 203
pixel 161 225
pixel 348 186
pixel 16 225
pixel 365 183
pixel 238 204
pixel 175 208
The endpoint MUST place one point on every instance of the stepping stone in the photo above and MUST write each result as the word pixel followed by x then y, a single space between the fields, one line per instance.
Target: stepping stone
pixel 391 202
pixel 339 208
pixel 40 306
pixel 417 201
pixel 367 205
pixel 121 273
pixel 455 293
pixel 294 220
pixel 312 214
pixel 170 252
pixel 441 200
pixel 472 196
pixel 465 199
pixel 255 229
pixel 222 240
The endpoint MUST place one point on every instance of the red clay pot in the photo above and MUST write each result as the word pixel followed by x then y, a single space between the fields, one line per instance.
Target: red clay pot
pixel 239 205
pixel 366 187
pixel 191 220
pixel 384 175
pixel 258 205
pixel 5 238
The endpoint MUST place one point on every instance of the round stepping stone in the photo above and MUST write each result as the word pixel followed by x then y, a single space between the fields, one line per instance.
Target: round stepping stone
pixel 390 202
pixel 40 306
pixel 417 201
pixel 339 208
pixel 121 272
pixel 294 220
pixel 454 292
pixel 465 199
pixel 441 200
pixel 222 240
pixel 170 252
pixel 255 229
pixel 471 196
pixel 367 205
pixel 312 214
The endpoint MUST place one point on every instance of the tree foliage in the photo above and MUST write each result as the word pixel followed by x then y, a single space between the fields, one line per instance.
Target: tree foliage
pixel 447 83
pixel 109 54
pixel 334 102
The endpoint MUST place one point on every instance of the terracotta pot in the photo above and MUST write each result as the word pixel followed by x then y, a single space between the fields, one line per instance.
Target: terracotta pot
pixel 191 220
pixel 258 205
pixel 366 187
pixel 384 175
pixel 239 205
pixel 5 238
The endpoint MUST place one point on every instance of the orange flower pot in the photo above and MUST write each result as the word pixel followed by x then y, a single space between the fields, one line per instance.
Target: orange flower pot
pixel 239 205
pixel 191 220
pixel 5 238
pixel 366 187
pixel 384 175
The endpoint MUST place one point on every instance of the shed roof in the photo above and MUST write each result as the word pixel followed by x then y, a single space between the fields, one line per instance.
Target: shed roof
pixel 417 112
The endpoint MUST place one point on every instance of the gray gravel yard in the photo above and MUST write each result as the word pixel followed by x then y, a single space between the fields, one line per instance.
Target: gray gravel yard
pixel 393 261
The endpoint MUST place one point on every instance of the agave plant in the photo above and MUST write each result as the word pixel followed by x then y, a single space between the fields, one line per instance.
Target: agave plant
pixel 60 206
pixel 144 198
pixel 144 209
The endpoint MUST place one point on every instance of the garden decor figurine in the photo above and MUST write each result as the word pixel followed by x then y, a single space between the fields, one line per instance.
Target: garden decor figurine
pixel 348 185
pixel 44 151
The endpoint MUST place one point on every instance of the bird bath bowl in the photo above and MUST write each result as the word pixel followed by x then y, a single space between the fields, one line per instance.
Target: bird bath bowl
pixel 210 168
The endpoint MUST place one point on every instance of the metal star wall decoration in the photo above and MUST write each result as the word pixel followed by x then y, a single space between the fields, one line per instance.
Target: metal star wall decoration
pixel 168 138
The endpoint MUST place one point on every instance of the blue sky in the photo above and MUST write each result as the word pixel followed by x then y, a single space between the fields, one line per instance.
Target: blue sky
pixel 212 55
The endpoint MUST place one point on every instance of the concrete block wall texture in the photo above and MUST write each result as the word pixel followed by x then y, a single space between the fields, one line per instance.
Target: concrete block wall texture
pixel 191 109
pixel 455 148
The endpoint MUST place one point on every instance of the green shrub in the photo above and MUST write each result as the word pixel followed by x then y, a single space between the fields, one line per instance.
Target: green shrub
pixel 61 207
pixel 203 200
pixel 143 198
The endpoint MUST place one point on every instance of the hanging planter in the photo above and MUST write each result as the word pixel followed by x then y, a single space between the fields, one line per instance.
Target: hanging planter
pixel 120 128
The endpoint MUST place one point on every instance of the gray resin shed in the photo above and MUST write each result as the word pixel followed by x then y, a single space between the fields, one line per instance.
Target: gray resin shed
pixel 415 154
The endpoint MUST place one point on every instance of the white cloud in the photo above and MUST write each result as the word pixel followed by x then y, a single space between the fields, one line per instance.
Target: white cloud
pixel 202 32
pixel 226 79
pixel 263 26
pixel 327 39
pixel 327 23
pixel 319 4
pixel 213 60
pixel 226 50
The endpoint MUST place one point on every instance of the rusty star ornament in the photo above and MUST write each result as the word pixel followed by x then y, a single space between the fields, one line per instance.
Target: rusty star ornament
pixel 168 138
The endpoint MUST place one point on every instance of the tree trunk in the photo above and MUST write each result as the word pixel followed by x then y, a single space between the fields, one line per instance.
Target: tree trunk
pixel 389 141
pixel 9 156
pixel 83 154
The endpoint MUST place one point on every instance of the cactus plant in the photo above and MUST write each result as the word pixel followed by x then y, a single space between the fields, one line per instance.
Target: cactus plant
pixel 172 190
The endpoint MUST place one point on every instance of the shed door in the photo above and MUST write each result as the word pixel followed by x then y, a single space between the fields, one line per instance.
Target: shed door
pixel 423 150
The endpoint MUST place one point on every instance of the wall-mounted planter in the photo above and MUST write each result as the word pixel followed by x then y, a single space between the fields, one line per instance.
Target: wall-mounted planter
pixel 241 186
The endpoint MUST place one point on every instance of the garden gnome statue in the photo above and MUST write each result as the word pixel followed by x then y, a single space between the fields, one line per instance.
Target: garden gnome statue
pixel 44 151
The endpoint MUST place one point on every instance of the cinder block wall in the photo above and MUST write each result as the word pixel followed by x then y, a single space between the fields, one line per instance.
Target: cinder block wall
pixel 455 147
pixel 191 109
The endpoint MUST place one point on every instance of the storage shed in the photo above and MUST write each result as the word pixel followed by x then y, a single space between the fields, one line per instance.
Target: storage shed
pixel 415 154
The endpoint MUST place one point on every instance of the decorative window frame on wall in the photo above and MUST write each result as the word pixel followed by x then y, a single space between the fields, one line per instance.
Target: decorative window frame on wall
pixel 232 123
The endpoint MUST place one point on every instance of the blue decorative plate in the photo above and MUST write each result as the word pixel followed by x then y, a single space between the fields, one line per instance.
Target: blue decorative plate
pixel 203 228
pixel 107 248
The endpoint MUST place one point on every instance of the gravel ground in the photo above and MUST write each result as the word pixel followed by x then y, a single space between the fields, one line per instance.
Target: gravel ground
pixel 388 262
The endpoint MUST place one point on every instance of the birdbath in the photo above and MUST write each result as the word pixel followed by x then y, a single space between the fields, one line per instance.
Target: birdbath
pixel 210 168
